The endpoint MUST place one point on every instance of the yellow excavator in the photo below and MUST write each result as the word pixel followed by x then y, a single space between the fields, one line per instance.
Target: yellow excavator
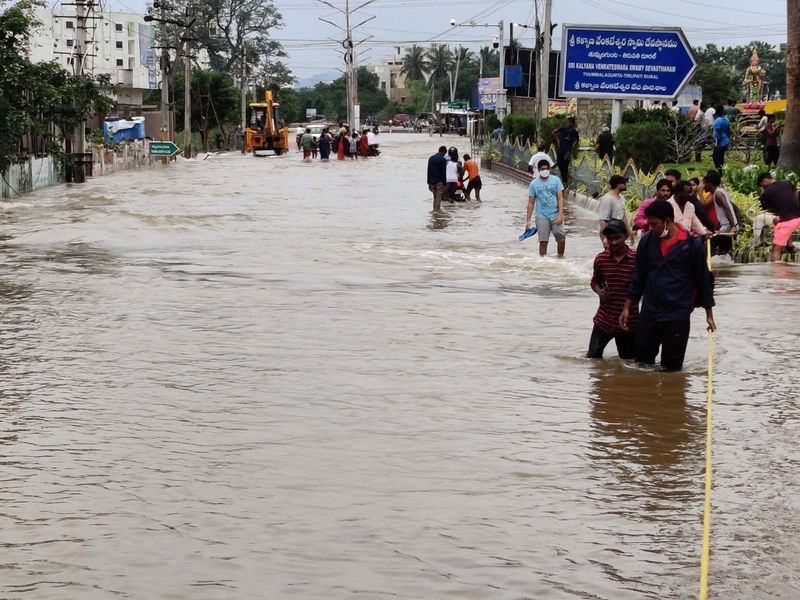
pixel 265 129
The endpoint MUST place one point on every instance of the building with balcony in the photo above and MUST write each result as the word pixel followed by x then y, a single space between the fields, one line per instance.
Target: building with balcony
pixel 118 44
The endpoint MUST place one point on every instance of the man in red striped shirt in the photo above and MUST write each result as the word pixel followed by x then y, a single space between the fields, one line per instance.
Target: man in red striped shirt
pixel 612 275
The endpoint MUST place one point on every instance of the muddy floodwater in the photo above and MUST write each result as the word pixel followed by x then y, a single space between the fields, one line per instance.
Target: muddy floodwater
pixel 242 378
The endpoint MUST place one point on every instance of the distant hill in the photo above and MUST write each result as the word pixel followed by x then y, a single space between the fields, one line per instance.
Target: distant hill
pixel 310 82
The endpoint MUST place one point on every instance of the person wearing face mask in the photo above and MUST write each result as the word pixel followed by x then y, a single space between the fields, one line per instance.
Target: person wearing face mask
pixel 546 202
pixel 670 279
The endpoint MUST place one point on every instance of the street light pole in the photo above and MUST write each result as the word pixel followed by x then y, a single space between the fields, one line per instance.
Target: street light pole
pixel 501 98
pixel 165 120
pixel 544 64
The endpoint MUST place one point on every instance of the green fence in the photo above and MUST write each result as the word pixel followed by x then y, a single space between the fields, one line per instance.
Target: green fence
pixel 588 173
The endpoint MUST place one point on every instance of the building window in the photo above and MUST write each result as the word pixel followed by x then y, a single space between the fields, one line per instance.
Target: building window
pixel 120 62
pixel 70 43
pixel 118 26
pixel 383 85
pixel 119 45
pixel 69 25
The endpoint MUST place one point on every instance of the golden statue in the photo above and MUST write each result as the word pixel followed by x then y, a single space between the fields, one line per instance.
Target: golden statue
pixel 754 80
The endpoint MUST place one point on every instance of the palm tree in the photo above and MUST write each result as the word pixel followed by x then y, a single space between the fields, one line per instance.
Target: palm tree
pixel 491 61
pixel 414 64
pixel 790 150
pixel 440 61
pixel 462 57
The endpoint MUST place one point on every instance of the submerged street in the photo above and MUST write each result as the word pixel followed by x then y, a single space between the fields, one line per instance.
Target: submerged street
pixel 262 378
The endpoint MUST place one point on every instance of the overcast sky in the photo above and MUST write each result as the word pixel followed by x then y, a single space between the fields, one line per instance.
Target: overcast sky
pixel 402 22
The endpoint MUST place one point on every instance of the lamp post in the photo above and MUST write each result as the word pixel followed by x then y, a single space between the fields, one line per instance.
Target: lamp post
pixel 497 43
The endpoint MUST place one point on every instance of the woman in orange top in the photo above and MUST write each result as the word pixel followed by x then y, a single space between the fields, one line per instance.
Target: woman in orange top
pixel 471 169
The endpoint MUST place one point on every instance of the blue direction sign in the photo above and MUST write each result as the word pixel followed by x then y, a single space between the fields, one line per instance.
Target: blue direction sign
pixel 624 62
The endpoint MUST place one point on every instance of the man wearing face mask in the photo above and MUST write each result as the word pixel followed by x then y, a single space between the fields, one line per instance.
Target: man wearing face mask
pixel 546 201
pixel 671 278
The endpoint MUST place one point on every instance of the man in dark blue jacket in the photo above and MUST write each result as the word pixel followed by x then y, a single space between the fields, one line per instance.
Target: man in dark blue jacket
pixel 671 277
pixel 437 176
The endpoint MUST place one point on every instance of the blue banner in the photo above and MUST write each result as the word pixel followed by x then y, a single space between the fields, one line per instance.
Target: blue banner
pixel 620 62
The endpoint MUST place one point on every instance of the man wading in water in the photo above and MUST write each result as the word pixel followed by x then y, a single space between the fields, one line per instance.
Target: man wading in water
pixel 671 277
pixel 611 277
pixel 546 202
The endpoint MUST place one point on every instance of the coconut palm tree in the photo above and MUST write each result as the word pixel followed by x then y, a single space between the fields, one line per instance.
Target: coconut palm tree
pixel 440 61
pixel 491 61
pixel 790 150
pixel 414 64
pixel 462 57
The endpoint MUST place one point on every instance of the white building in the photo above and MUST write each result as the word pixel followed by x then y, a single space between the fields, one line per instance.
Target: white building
pixel 118 44
pixel 390 78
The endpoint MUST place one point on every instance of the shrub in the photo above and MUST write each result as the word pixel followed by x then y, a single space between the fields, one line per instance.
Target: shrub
pixel 743 180
pixel 520 127
pixel 492 122
pixel 645 142
pixel 642 115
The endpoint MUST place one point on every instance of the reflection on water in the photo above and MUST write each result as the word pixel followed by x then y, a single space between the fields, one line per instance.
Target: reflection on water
pixel 642 424
pixel 224 388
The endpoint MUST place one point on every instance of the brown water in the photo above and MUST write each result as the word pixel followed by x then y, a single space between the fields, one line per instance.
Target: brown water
pixel 258 378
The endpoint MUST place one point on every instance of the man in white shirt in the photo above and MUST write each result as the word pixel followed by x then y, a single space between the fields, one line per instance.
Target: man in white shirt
pixel 612 205
pixel 710 115
pixel 534 161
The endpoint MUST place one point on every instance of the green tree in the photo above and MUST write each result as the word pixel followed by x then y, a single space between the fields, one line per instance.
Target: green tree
pixel 414 64
pixel 226 26
pixel 440 62
pixel 491 61
pixel 215 101
pixel 718 82
pixel 42 102
pixel 330 99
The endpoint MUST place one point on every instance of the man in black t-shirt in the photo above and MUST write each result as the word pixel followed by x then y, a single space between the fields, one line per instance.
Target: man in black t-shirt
pixel 567 137
pixel 780 198
pixel 605 145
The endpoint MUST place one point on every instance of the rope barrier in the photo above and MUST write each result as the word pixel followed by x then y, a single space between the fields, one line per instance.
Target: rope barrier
pixel 704 557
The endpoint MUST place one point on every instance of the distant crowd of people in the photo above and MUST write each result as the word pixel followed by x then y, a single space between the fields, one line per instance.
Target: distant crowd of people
pixel 345 144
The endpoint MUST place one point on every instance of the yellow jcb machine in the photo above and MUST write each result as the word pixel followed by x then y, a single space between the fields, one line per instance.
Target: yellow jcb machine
pixel 265 129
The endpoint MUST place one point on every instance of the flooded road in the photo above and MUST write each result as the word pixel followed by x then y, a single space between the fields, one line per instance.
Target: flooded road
pixel 248 378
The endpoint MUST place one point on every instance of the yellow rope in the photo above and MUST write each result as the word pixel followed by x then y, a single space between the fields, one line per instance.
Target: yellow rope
pixel 704 558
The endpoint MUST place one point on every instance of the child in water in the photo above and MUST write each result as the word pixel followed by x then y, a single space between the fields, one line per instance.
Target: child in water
pixel 354 146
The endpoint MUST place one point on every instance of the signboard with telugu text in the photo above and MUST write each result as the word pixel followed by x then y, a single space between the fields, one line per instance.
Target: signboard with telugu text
pixel 624 62
pixel 162 148
pixel 488 90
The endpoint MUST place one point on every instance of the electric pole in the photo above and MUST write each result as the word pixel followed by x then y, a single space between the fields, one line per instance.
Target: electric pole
pixel 80 52
pixel 166 125
pixel 350 57
pixel 500 109
pixel 187 84
pixel 544 64
pixel 243 90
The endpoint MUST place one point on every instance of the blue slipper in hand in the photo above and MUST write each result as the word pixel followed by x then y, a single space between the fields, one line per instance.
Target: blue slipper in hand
pixel 528 233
